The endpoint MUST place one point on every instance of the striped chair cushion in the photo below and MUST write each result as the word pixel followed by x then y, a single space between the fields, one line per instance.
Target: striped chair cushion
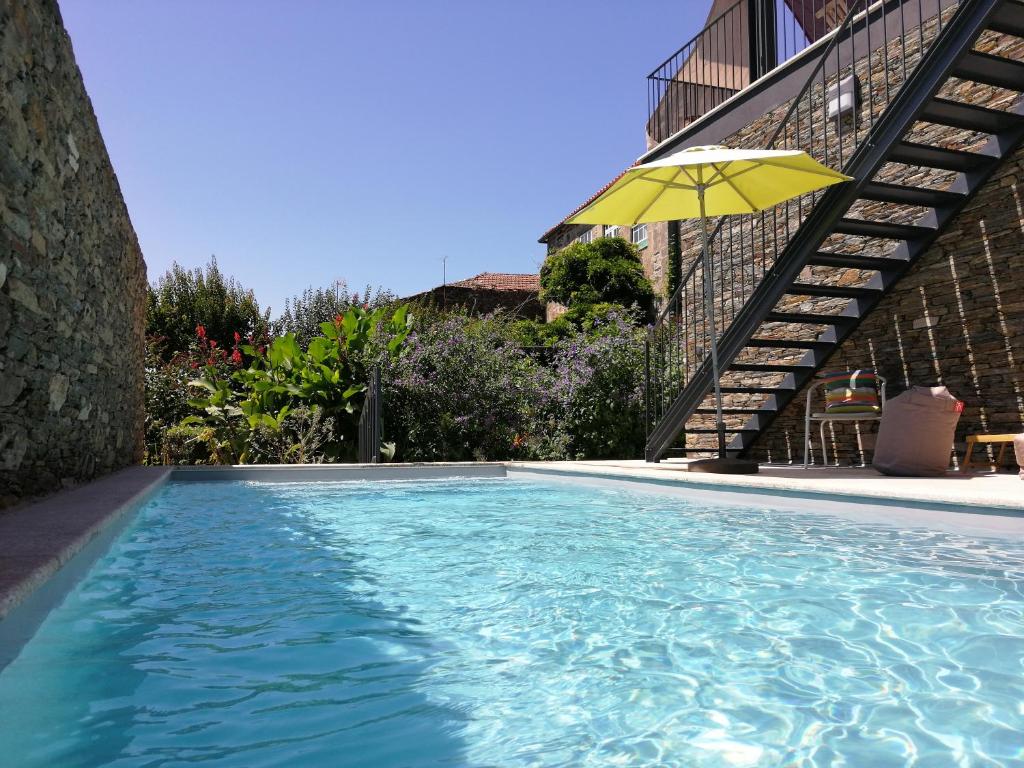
pixel 851 392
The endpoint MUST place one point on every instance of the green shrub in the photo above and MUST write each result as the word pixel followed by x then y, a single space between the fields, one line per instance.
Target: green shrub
pixel 183 444
pixel 462 389
pixel 605 271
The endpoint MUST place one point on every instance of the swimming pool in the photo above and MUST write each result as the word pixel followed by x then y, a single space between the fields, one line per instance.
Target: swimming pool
pixel 507 622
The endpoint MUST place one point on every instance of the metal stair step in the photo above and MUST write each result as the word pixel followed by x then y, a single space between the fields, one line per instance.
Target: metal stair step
pixel 836 291
pixel 990 70
pixel 896 193
pixel 884 229
pixel 970 117
pixel 754 390
pixel 769 367
pixel 911 153
pixel 789 344
pixel 685 451
pixel 728 411
pixel 852 261
pixel 809 319
pixel 712 431
pixel 1008 19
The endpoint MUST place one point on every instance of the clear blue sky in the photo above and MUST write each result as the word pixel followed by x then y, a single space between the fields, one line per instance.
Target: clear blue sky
pixel 310 140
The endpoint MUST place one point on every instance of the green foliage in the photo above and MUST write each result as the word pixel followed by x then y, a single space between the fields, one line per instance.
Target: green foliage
pixel 166 400
pixel 462 389
pixel 595 393
pixel 675 259
pixel 466 389
pixel 181 300
pixel 327 378
pixel 303 315
pixel 607 270
pixel 182 444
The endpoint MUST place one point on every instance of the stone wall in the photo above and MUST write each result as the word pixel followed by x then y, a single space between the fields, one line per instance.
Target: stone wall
pixel 480 301
pixel 955 319
pixel 72 278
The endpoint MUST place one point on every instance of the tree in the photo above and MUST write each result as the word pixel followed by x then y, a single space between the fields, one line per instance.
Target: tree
pixel 605 271
pixel 183 299
pixel 303 315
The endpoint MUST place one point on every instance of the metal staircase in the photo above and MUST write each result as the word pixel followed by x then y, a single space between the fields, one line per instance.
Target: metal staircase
pixel 792 283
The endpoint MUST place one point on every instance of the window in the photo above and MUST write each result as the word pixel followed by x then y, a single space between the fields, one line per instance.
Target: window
pixel 611 231
pixel 586 237
pixel 638 235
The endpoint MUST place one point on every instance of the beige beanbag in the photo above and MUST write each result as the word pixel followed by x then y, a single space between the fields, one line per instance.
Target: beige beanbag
pixel 915 436
pixel 1018 448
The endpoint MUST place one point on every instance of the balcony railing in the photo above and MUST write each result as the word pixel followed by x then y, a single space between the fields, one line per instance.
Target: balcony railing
pixel 748 40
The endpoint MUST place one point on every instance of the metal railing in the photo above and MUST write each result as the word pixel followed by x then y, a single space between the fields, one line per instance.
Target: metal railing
pixel 879 44
pixel 370 430
pixel 748 40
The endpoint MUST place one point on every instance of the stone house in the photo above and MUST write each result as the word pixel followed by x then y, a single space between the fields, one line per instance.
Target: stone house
pixel 515 294
pixel 909 269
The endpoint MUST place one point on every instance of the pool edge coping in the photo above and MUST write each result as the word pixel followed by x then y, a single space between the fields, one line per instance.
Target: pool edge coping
pixel 775 487
pixel 40 538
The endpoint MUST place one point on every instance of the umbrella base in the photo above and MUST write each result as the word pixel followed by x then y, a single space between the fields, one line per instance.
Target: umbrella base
pixel 723 466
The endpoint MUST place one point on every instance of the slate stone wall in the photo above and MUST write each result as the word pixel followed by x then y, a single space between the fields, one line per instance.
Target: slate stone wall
pixel 955 319
pixel 72 277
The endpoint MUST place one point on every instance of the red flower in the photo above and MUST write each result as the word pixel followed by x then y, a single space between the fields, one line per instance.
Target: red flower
pixel 236 357
pixel 200 332
pixel 212 343
pixel 338 319
pixel 238 337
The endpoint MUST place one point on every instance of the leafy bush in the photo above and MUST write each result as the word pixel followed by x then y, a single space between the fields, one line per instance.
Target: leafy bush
pixel 605 271
pixel 466 389
pixel 236 411
pixel 595 394
pixel 183 299
pixel 462 389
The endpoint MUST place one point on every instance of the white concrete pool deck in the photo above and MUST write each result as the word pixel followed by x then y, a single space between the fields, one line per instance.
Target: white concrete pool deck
pixel 1002 490
pixel 38 539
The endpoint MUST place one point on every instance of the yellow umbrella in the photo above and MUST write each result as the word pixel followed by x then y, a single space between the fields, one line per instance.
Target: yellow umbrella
pixel 709 181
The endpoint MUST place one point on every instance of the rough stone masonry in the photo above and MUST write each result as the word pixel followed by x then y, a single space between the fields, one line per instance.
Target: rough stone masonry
pixel 72 277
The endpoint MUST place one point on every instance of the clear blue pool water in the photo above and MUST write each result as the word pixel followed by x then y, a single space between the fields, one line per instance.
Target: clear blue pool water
pixel 514 623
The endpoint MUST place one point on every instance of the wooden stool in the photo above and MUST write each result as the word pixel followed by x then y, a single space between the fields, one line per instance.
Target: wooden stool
pixel 972 440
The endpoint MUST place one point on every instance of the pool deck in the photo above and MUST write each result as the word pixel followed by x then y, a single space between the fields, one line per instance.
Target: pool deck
pixel 977 490
pixel 38 539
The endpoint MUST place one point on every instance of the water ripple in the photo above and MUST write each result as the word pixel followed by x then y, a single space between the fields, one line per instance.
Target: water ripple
pixel 501 623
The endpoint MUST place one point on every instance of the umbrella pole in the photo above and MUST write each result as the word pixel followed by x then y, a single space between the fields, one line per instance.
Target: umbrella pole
pixel 723 464
pixel 709 309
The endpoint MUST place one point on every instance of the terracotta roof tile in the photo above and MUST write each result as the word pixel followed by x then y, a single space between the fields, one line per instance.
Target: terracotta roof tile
pixel 500 281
